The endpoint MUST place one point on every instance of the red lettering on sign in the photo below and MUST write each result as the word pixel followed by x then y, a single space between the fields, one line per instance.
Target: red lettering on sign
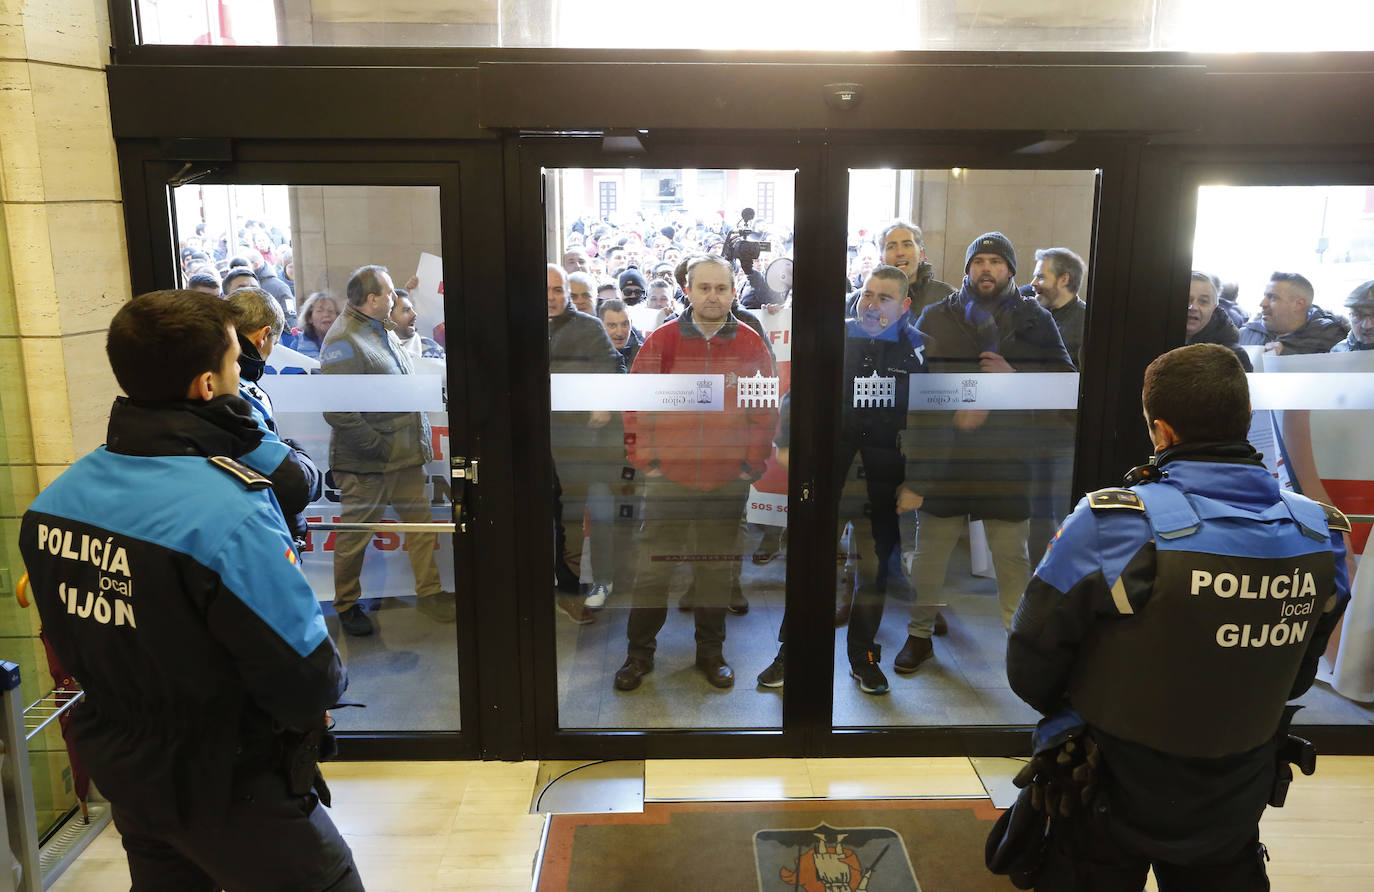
pixel 437 436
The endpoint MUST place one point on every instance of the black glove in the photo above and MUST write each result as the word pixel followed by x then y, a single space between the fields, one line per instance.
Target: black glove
pixel 1062 779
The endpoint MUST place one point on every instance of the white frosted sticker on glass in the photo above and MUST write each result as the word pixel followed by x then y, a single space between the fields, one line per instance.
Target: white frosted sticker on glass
pixel 1019 390
pixel 355 393
pixel 643 393
pixel 1312 390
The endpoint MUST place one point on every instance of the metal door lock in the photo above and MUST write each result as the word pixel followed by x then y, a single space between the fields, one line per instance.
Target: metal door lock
pixel 463 469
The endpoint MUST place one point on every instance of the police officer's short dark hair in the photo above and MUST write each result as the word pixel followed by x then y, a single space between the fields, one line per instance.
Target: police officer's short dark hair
pixel 364 281
pixel 159 342
pixel 1201 390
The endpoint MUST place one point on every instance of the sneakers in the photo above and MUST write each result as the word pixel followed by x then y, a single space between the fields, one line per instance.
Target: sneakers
pixel 628 676
pixel 772 676
pixel 355 622
pixel 871 679
pixel 596 599
pixel 572 607
pixel 718 673
pixel 738 606
pixel 439 607
pixel 913 653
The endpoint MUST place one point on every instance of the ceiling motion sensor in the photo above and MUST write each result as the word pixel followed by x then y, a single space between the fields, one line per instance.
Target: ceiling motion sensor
pixel 843 97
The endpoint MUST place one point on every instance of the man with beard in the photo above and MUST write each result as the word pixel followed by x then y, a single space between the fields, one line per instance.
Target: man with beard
pixel 971 464
pixel 1056 280
pixel 1361 304
pixel 1205 324
pixel 904 247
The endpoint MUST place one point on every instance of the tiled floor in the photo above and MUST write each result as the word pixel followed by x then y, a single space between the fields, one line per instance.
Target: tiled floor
pixel 965 683
pixel 466 825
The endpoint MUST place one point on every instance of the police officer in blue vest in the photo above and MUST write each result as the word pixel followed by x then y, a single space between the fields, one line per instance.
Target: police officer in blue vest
pixel 169 585
pixel 1163 634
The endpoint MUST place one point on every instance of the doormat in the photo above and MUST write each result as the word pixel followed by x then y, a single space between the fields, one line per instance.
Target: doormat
pixel 816 845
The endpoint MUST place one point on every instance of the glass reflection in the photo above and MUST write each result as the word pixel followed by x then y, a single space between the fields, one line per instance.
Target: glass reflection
pixel 956 430
pixel 1301 317
pixel 666 389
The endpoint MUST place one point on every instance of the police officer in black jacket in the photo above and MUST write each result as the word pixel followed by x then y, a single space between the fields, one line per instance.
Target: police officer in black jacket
pixel 168 584
pixel 1164 632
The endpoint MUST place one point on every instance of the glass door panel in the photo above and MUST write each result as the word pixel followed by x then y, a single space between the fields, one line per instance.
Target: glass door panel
pixel 1302 314
pixel 669 302
pixel 964 316
pixel 375 424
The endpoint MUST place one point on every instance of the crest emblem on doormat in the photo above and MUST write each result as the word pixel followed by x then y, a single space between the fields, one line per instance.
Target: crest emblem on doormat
pixel 833 859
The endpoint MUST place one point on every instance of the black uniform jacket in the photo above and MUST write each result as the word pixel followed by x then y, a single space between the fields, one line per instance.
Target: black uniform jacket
pixel 169 586
pixel 1178 618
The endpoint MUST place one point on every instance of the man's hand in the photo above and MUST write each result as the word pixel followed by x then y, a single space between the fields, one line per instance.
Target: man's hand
pixel 774 309
pixel 993 362
pixel 598 419
pixel 412 283
pixel 970 419
pixel 1274 347
pixel 907 500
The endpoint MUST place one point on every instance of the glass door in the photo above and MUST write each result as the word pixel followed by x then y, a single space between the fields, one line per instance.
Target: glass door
pixel 964 311
pixel 350 266
pixel 669 311
pixel 1301 317
pixel 663 289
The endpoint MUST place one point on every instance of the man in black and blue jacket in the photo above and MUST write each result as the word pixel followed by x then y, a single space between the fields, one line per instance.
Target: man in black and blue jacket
pixel 1166 628
pixel 168 584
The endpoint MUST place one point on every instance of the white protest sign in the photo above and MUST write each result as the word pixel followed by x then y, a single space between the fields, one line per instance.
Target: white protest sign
pixel 777 326
pixel 428 295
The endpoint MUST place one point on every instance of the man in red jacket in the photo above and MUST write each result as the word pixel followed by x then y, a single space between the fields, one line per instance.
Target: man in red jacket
pixel 697 465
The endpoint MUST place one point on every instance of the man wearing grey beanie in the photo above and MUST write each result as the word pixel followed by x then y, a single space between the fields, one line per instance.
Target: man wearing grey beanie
pixel 972 464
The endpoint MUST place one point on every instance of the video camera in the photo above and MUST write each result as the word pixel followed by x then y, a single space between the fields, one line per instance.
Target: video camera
pixel 742 243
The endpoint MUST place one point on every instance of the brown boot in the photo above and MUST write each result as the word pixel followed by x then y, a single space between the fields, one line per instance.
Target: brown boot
pixel 915 652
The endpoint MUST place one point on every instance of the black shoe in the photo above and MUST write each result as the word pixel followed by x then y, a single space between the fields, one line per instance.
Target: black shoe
pixel 440 607
pixel 871 679
pixel 628 676
pixel 772 676
pixel 913 654
pixel 718 673
pixel 941 627
pixel 355 622
pixel 738 605
pixel 572 607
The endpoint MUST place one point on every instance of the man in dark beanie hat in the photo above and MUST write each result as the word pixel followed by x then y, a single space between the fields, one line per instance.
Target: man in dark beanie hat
pixel 973 464
pixel 633 288
pixel 1361 304
pixel 991 243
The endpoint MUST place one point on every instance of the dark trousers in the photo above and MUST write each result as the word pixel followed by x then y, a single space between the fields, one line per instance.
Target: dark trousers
pixel 869 501
pixel 269 841
pixel 1086 856
pixel 682 524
